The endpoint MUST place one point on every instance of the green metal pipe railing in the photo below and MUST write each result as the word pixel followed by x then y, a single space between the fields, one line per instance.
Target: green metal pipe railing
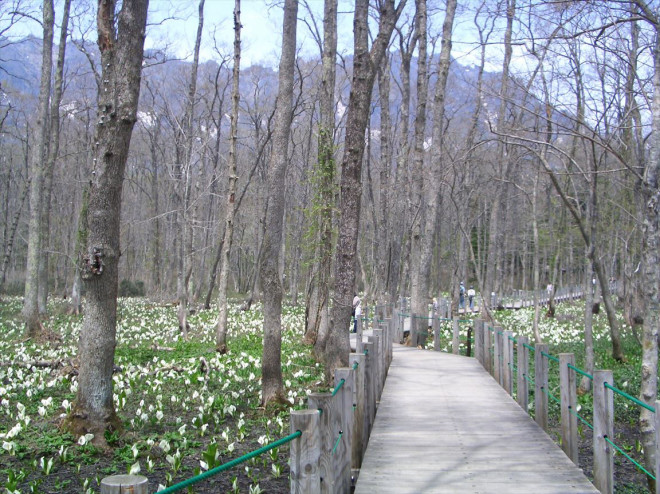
pixel 230 464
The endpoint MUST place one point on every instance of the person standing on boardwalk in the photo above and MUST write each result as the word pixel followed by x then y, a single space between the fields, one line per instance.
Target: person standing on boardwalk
pixel 461 296
pixel 357 312
pixel 471 293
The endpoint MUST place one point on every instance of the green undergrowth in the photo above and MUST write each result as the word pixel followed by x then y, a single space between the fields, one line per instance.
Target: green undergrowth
pixel 185 408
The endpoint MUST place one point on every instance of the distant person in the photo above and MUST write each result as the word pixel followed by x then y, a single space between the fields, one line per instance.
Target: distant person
pixel 357 312
pixel 461 296
pixel 471 293
pixel 435 306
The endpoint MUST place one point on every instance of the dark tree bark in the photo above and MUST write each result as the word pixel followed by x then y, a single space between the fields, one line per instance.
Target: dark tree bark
pixel 269 270
pixel 365 64
pixel 320 284
pixel 418 271
pixel 121 48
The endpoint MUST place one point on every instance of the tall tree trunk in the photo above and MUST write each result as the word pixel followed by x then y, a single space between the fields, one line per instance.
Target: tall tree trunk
pixel 364 72
pixel 53 151
pixel 33 325
pixel 271 368
pixel 325 183
pixel 81 247
pixel 397 224
pixel 537 260
pixel 384 178
pixel 11 235
pixel 230 208
pixel 418 272
pixel 431 179
pixel 184 227
pixel 121 50
pixel 651 268
pixel 495 232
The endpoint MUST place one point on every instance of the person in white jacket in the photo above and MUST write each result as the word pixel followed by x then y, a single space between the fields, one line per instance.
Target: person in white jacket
pixel 471 293
pixel 357 312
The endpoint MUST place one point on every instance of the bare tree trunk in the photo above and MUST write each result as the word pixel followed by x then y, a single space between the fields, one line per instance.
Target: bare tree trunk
pixel 495 233
pixel 184 226
pixel 271 368
pixel 431 185
pixel 651 268
pixel 585 382
pixel 397 225
pixel 81 247
pixel 33 325
pixel 537 254
pixel 418 271
pixel 364 72
pixel 320 283
pixel 230 209
pixel 384 178
pixel 121 50
pixel 53 151
pixel 9 245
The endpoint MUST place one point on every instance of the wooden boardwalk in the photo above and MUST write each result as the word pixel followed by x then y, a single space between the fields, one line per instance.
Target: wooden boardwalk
pixel 444 425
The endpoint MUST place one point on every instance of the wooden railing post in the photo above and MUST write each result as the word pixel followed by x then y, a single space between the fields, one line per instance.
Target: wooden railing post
pixel 398 327
pixel 488 346
pixel 522 393
pixel 360 398
pixel 370 389
pixel 455 340
pixel 603 429
pixel 328 425
pixel 380 356
pixel 436 333
pixel 497 354
pixel 568 396
pixel 413 330
pixel 344 449
pixel 358 336
pixel 507 362
pixel 387 328
pixel 305 452
pixel 541 386
pixel 124 484
pixel 479 341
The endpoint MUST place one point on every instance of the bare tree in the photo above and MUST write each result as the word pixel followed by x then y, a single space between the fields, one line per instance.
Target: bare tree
pixel 230 211
pixel 419 272
pixel 33 326
pixel 317 309
pixel 269 270
pixel 365 63
pixel 184 186
pixel 52 155
pixel 121 46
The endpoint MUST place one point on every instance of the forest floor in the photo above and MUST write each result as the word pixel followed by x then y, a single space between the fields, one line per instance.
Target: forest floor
pixel 187 409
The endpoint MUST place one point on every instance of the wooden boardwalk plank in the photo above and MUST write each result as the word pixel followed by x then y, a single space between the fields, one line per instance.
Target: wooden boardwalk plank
pixel 444 425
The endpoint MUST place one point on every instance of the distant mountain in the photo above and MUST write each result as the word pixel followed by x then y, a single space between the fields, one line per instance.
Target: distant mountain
pixel 167 81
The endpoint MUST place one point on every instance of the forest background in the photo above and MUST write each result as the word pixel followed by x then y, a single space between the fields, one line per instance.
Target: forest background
pixel 538 164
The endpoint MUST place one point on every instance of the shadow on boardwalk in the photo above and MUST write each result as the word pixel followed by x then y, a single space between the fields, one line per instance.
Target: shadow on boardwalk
pixel 444 425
